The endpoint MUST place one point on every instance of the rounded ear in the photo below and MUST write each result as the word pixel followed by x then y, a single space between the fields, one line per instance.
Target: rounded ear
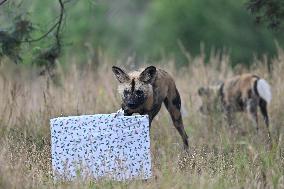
pixel 202 91
pixel 148 75
pixel 120 74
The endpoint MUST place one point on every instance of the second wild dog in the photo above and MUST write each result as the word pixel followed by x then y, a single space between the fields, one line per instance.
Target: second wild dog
pixel 242 93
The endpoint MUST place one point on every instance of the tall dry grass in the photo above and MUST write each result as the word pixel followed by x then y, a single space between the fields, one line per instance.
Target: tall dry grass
pixel 219 158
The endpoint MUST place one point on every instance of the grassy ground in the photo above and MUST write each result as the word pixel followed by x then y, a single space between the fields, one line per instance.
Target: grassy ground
pixel 219 157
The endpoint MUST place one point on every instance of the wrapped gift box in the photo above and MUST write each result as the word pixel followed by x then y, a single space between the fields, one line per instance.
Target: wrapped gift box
pixel 101 146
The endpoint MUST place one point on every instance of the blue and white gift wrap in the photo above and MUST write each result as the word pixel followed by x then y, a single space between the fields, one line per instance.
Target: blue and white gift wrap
pixel 101 146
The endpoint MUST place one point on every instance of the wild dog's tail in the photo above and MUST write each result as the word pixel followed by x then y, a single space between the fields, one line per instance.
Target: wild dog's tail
pixel 263 90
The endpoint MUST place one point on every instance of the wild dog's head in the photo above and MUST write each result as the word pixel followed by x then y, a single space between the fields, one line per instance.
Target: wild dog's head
pixel 135 87
pixel 210 97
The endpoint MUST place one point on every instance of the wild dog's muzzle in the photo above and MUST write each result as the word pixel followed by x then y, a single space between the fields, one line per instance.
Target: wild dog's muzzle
pixel 134 103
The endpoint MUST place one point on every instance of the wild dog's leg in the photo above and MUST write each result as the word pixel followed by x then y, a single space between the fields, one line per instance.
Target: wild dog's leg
pixel 229 116
pixel 153 113
pixel 251 107
pixel 263 110
pixel 173 105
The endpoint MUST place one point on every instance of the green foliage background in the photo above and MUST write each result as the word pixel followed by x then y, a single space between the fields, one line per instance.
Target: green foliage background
pixel 150 29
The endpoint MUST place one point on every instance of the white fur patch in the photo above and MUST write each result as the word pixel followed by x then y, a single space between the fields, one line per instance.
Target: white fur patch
pixel 264 91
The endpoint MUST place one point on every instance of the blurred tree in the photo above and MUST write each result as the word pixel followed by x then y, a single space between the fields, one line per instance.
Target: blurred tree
pixel 118 24
pixel 47 58
pixel 160 27
pixel 152 28
pixel 268 11
pixel 11 40
pixel 218 24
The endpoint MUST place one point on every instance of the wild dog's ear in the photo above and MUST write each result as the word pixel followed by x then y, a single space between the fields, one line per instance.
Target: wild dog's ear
pixel 148 75
pixel 121 76
pixel 202 91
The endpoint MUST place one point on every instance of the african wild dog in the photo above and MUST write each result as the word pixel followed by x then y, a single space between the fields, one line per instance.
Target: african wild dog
pixel 241 93
pixel 145 90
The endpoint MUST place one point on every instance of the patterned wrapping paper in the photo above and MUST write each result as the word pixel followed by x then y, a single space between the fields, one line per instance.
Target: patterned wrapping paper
pixel 101 146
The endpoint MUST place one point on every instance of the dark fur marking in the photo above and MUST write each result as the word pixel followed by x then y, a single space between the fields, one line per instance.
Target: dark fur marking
pixel 176 101
pixel 166 101
pixel 253 105
pixel 178 120
pixel 156 108
pixel 240 103
pixel 249 93
pixel 132 85
pixel 263 109
pixel 255 87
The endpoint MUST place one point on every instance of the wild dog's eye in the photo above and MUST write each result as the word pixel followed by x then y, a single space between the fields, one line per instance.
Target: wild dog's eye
pixel 139 92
